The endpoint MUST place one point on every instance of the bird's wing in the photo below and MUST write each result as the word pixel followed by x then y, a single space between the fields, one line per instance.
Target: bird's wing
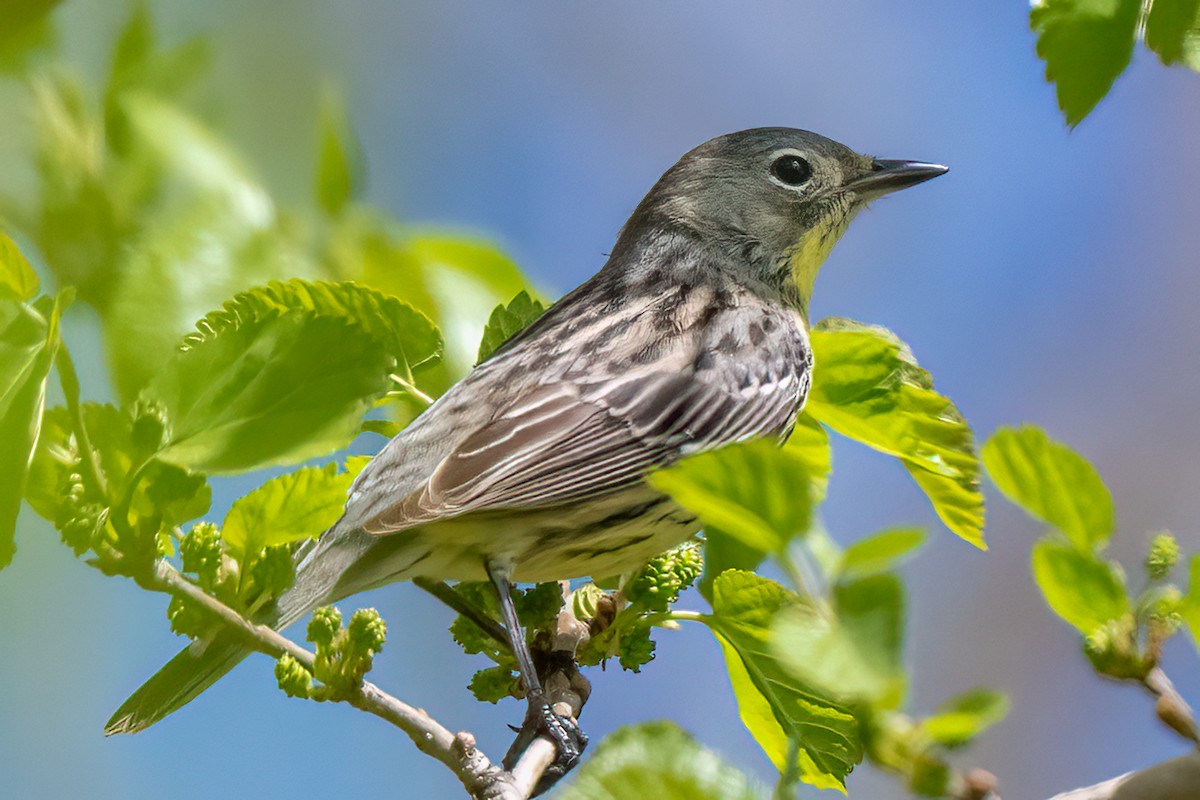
pixel 567 440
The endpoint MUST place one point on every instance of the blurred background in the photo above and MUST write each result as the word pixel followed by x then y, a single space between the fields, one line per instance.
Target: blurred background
pixel 1052 276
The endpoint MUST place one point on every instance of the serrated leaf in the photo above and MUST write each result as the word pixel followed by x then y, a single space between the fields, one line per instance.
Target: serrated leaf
pixel 407 334
pixel 1052 483
pixel 880 553
pixel 292 507
pixel 507 321
pixel 1086 45
pixel 1173 31
pixel 756 492
pixel 960 719
pixel 745 608
pixel 339 157
pixel 657 760
pixel 18 281
pixel 853 649
pixel 270 390
pixel 28 343
pixel 868 387
pixel 1078 585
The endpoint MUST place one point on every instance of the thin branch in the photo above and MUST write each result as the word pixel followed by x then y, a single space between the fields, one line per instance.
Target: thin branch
pixel 1169 705
pixel 448 595
pixel 407 385
pixel 479 776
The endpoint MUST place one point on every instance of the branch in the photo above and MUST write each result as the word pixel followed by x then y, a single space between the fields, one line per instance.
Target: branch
pixel 483 780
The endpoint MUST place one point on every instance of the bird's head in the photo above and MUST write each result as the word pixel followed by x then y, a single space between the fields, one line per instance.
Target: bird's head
pixel 776 199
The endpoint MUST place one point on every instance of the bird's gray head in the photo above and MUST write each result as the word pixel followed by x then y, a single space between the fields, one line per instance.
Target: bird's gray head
pixel 777 199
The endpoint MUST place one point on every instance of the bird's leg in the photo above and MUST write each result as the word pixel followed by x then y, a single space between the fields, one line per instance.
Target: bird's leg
pixel 540 716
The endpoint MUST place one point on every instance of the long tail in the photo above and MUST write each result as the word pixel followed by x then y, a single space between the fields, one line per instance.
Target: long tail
pixel 198 667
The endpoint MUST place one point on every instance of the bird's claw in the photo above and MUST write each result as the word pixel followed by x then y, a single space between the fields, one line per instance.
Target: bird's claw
pixel 541 719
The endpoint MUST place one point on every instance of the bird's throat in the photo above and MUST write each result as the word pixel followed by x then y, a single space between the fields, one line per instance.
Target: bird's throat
pixel 806 258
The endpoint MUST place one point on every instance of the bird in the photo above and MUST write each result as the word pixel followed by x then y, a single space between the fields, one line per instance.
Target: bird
pixel 533 467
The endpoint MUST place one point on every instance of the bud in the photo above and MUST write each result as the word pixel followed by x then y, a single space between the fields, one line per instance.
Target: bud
pixel 200 553
pixel 292 677
pixel 366 634
pixel 1163 556
pixel 664 577
pixel 636 649
pixel 274 571
pixel 324 626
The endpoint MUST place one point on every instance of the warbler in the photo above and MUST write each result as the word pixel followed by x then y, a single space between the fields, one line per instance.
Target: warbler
pixel 693 335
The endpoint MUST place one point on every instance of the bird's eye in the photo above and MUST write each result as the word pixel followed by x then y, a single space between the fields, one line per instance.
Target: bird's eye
pixel 792 170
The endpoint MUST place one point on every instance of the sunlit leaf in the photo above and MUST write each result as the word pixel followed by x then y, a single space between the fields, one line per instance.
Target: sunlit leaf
pixel 867 386
pixel 960 719
pixel 656 760
pixel 1086 44
pixel 339 158
pixel 853 648
pixel 28 343
pixel 506 321
pixel 1052 483
pixel 26 29
pixel 273 390
pixel 18 281
pixel 810 442
pixel 1189 608
pixel 745 607
pixel 1079 586
pixel 1173 31
pixel 407 334
pixel 757 492
pixel 881 552
pixel 289 508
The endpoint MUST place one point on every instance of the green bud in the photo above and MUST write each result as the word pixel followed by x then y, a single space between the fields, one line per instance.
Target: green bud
pixel 585 601
pixel 200 553
pixel 187 619
pixel 324 626
pixel 636 649
pixel 493 684
pixel 1163 556
pixel 149 425
pixel 274 571
pixel 292 677
pixel 661 580
pixel 365 634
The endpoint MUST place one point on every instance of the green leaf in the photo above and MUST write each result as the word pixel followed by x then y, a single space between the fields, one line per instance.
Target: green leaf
pixel 18 281
pixel 57 453
pixel 880 553
pixel 867 386
pixel 756 492
pixel 1086 44
pixel 745 607
pixel 1052 483
pixel 1173 31
pixel 507 321
pixel 289 508
pixel 852 650
pixel 1080 587
pixel 455 279
pixel 187 261
pixel 339 158
pixel 960 719
pixel 810 442
pixel 272 390
pixel 406 333
pixel 1189 607
pixel 28 343
pixel 657 760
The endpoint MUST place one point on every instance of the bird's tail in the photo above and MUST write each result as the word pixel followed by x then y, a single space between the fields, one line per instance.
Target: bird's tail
pixel 202 663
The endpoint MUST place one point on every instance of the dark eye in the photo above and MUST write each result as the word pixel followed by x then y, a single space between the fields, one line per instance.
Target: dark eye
pixel 792 170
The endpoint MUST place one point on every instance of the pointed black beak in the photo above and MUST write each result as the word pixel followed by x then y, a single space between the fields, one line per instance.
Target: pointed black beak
pixel 890 176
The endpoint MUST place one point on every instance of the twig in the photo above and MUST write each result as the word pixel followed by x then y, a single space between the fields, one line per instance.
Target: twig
pixel 482 779
pixel 1169 705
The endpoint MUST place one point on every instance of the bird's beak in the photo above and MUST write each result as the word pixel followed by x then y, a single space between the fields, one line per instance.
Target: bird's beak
pixel 890 176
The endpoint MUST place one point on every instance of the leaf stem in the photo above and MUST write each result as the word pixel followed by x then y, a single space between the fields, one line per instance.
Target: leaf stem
pixel 407 385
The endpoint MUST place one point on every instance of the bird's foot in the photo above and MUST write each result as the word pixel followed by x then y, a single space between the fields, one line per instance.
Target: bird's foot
pixel 541 719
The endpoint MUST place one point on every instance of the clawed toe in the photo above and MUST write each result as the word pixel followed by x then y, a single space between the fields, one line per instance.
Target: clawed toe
pixel 571 741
